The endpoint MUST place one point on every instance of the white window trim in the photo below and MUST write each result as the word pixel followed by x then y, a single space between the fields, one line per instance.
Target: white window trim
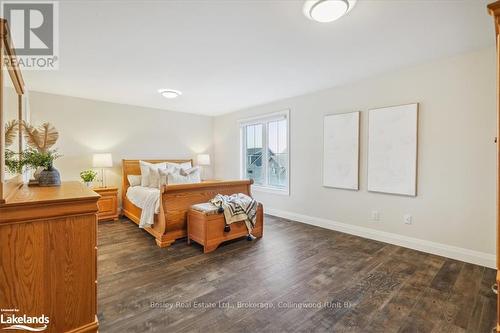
pixel 285 114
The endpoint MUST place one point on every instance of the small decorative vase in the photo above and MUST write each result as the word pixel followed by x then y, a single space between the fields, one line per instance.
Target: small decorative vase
pixel 88 184
pixel 49 177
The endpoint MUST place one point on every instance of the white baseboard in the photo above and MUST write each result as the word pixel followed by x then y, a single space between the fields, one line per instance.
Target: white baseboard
pixel 449 251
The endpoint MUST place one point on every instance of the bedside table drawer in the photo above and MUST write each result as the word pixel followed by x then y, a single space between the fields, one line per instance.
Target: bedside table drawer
pixel 106 206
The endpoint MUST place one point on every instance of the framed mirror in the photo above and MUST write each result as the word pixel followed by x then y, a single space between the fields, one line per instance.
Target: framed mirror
pixel 14 114
pixel 13 111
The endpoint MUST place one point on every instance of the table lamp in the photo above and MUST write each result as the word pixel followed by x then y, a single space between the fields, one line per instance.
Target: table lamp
pixel 203 161
pixel 101 161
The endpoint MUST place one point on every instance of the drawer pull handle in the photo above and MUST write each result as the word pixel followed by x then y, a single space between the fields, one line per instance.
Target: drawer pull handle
pixel 494 288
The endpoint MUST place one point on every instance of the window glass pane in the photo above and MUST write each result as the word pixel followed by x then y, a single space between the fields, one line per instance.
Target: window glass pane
pixel 250 136
pixel 278 154
pixel 283 136
pixel 253 154
pixel 273 136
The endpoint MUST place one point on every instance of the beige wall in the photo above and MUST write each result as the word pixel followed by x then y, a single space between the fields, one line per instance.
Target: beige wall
pixel 128 132
pixel 455 205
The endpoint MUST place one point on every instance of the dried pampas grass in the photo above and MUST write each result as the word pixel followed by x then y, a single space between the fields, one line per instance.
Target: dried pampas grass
pixel 40 138
pixel 11 129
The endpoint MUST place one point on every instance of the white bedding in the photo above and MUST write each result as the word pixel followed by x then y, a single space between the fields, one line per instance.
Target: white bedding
pixel 147 199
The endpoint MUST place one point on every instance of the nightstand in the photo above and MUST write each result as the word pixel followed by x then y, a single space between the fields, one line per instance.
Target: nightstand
pixel 107 204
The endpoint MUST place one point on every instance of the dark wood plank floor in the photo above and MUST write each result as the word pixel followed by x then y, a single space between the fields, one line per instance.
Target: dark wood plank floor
pixel 297 278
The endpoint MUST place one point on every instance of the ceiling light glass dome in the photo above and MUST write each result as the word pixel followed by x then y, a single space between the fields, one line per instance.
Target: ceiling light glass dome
pixel 327 10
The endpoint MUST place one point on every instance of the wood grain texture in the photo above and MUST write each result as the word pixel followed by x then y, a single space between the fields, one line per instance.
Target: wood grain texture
pixel 171 222
pixel 387 288
pixel 107 204
pixel 208 230
pixel 30 203
pixel 48 260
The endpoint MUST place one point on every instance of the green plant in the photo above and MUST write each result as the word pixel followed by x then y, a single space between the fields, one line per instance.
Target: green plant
pixel 35 159
pixel 13 162
pixel 29 158
pixel 38 154
pixel 88 175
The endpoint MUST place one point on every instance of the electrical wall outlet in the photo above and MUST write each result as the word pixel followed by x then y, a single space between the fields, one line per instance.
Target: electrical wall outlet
pixel 375 215
pixel 407 219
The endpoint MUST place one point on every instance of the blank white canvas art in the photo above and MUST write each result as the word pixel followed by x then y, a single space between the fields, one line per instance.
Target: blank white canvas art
pixel 341 151
pixel 392 149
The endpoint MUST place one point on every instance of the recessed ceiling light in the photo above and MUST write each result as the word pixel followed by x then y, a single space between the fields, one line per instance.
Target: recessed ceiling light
pixel 169 93
pixel 327 10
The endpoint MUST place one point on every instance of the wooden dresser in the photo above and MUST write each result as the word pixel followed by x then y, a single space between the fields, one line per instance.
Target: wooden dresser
pixel 48 257
pixel 107 204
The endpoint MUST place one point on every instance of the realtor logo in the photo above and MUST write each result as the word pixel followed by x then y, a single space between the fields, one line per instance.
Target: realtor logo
pixel 34 30
pixel 23 322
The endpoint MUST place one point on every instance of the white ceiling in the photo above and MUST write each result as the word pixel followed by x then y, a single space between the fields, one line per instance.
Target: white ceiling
pixel 228 55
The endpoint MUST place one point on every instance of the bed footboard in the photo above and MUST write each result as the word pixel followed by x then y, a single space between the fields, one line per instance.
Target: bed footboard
pixel 171 222
pixel 177 199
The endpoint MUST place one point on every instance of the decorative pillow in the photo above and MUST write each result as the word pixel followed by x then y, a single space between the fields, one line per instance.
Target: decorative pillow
pixel 185 165
pixel 163 177
pixel 134 180
pixel 145 170
pixel 178 178
pixel 186 172
pixel 154 177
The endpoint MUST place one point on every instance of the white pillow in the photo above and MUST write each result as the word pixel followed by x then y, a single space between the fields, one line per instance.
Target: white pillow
pixel 171 166
pixel 145 170
pixel 158 177
pixel 154 177
pixel 163 177
pixel 185 172
pixel 178 178
pixel 134 180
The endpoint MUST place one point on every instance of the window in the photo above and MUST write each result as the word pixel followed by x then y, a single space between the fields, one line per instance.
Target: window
pixel 265 151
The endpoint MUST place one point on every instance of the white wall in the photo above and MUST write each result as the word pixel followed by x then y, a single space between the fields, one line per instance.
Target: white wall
pixel 128 132
pixel 454 212
pixel 455 206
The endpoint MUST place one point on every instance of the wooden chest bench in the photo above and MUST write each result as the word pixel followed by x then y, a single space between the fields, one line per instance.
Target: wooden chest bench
pixel 205 226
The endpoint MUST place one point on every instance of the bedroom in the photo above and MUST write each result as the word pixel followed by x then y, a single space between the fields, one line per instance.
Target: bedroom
pixel 348 235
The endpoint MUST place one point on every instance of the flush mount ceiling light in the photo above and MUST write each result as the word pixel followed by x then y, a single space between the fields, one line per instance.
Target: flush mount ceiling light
pixel 169 93
pixel 327 10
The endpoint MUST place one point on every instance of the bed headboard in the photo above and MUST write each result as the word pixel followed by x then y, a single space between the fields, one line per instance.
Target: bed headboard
pixel 131 167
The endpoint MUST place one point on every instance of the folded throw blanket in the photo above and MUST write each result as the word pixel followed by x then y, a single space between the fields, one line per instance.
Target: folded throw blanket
pixel 147 199
pixel 151 201
pixel 237 207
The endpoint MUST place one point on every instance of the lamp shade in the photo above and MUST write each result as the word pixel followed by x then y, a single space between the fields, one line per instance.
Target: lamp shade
pixel 102 160
pixel 203 159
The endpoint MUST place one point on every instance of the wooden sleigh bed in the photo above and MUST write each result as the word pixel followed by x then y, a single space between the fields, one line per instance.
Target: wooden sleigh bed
pixel 171 222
